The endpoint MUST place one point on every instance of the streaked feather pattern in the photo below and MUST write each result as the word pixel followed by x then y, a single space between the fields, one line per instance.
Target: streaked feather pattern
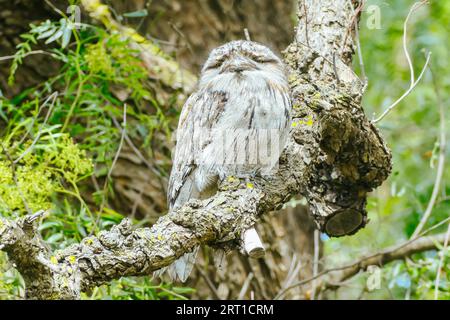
pixel 242 94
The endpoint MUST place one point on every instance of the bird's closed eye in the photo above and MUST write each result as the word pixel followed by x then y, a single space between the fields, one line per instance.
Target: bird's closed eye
pixel 214 65
pixel 260 59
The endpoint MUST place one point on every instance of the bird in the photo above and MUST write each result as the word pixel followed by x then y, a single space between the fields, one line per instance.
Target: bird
pixel 235 123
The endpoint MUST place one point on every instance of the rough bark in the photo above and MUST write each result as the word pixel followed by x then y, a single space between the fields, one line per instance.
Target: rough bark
pixel 334 157
pixel 340 154
pixel 190 29
pixel 288 236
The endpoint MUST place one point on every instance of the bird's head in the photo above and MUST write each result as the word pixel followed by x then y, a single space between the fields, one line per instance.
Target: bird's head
pixel 241 59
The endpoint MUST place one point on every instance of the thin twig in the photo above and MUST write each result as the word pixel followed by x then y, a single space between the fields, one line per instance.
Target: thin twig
pixel 247 35
pixel 439 174
pixel 315 263
pixel 133 146
pixel 35 119
pixel 414 7
pixel 181 34
pixel 441 162
pixel 47 116
pixel 407 92
pixel 4 58
pixel 360 56
pixel 122 138
pixel 108 176
pixel 209 283
pixel 139 153
pixel 356 265
pixel 352 22
pixel 294 269
pixel 413 81
pixel 245 286
pixel 441 263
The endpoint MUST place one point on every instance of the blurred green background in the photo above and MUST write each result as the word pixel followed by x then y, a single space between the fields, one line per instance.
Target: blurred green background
pixel 412 132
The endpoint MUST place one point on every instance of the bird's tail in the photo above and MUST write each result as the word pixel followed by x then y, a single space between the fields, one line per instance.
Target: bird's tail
pixel 181 268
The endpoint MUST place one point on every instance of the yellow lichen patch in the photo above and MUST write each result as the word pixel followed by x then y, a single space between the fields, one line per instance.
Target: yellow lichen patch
pixel 72 259
pixel 307 122
pixel 230 209
pixel 53 260
pixel 231 179
pixel 250 185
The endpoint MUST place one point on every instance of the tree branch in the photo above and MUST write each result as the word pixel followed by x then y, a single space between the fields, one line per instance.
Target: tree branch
pixel 334 157
pixel 340 274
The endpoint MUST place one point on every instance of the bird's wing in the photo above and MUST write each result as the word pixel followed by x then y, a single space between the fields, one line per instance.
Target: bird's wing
pixel 199 114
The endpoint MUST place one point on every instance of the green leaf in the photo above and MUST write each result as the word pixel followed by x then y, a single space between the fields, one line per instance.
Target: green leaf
pixel 67 33
pixel 49 224
pixel 54 238
pixel 46 34
pixel 136 14
pixel 56 36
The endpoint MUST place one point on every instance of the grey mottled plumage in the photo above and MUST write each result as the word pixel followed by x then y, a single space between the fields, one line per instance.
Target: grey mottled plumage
pixel 236 123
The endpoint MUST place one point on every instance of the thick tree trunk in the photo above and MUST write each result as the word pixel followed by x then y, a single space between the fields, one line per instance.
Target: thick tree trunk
pixel 190 29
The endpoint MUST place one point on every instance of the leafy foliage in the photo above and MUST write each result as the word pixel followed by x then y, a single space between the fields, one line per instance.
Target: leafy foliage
pixel 61 133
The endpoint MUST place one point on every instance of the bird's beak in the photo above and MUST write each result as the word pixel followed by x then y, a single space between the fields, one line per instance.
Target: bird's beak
pixel 238 65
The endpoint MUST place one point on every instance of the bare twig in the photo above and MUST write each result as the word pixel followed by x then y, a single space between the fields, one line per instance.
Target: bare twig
pixel 414 7
pixel 315 263
pixel 413 81
pixel 293 271
pixel 358 46
pixel 352 22
pixel 208 282
pixel 113 164
pixel 138 153
pixel 441 263
pixel 441 163
pixel 439 175
pixel 245 286
pixel 407 92
pixel 247 34
pixel 385 256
